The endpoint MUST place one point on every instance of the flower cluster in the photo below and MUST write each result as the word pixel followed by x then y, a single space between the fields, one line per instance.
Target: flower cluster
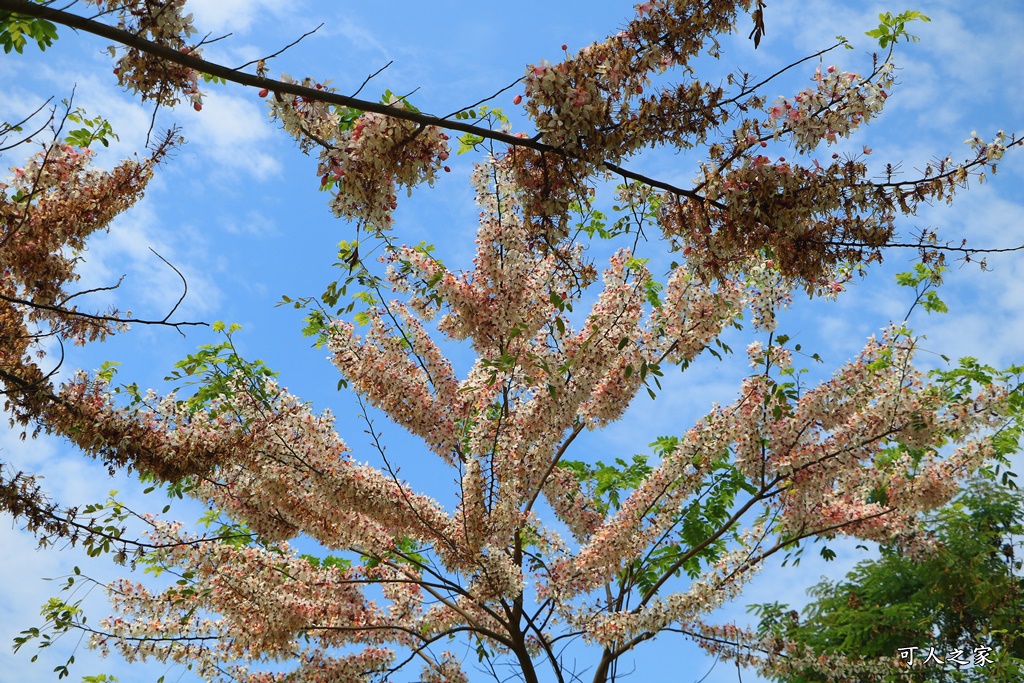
pixel 624 535
pixel 592 105
pixel 767 292
pixel 380 154
pixel 365 158
pixel 501 294
pixel 418 392
pixel 773 656
pixel 722 582
pixel 546 186
pixel 53 203
pixel 164 23
pixel 827 445
pixel 692 314
pixel 992 151
pixel 811 220
pixel 776 356
pixel 837 104
pixel 448 670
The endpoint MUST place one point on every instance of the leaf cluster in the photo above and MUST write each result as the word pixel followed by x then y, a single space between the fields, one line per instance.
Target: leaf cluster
pixel 17 29
pixel 969 593
pixel 214 369
pixel 892 28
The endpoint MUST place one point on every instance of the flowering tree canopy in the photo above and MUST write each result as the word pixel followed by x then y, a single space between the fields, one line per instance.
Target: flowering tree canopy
pixel 538 547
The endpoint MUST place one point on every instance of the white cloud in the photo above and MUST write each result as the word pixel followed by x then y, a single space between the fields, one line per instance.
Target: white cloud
pixel 251 223
pixel 235 16
pixel 359 36
pixel 233 132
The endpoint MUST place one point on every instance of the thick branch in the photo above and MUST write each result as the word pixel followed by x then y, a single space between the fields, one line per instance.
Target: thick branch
pixel 31 9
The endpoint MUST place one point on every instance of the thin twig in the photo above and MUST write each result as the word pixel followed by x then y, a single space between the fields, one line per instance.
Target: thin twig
pixel 372 76
pixel 279 52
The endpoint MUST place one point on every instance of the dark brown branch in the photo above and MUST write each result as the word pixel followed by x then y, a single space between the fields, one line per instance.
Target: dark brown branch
pixel 31 9
pixel 971 251
pixel 93 316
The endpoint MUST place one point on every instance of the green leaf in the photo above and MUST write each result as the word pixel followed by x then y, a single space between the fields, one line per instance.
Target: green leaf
pixel 468 142
pixel 16 29
pixel 892 28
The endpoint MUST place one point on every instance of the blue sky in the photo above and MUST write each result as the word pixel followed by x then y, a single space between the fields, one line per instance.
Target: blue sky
pixel 238 212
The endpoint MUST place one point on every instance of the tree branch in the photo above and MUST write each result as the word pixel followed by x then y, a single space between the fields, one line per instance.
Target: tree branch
pixel 31 9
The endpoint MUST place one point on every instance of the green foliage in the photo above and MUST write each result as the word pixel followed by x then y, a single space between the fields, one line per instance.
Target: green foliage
pixel 389 98
pixel 607 482
pixel 107 370
pixel 485 115
pixel 212 368
pixel 844 42
pixel 210 78
pixel 95 129
pixel 708 513
pixel 697 522
pixel 923 280
pixel 967 594
pixel 59 617
pixel 330 561
pixel 960 383
pixel 468 142
pixel 892 28
pixel 226 530
pixel 405 552
pixel 320 313
pixel 107 530
pixel 17 29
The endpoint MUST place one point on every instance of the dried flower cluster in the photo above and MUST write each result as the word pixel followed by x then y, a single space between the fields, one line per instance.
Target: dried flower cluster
pixel 164 23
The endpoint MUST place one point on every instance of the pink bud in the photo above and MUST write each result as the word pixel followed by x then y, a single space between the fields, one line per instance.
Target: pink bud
pixel 517 99
pixel 264 92
pixel 198 106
